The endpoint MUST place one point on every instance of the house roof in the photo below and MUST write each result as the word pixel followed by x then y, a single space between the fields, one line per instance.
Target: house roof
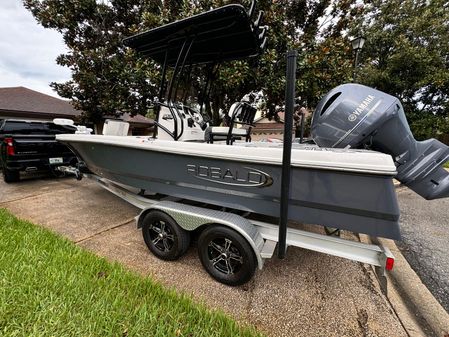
pixel 306 112
pixel 277 126
pixel 24 100
pixel 138 119
pixel 264 125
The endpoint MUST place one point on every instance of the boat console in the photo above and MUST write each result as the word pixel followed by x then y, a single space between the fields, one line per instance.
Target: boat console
pixel 191 123
pixel 195 125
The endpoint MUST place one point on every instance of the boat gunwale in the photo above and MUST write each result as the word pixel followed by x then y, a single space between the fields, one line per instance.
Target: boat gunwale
pixel 146 144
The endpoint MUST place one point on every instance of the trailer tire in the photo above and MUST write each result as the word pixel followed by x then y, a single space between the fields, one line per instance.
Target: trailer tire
pixel 10 176
pixel 163 236
pixel 226 255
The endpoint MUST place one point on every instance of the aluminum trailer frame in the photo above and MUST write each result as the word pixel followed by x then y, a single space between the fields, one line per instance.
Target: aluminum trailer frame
pixel 262 236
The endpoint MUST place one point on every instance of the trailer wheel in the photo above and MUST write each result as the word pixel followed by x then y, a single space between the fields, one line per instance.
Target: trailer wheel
pixel 10 176
pixel 163 236
pixel 226 255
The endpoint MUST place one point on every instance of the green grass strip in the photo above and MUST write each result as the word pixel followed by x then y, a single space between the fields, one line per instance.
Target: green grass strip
pixel 51 287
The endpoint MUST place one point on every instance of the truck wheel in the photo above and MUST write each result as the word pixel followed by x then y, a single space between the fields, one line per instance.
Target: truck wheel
pixel 163 236
pixel 10 176
pixel 226 255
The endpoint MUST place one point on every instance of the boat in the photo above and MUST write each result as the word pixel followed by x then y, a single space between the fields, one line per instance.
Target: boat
pixel 344 188
pixel 348 189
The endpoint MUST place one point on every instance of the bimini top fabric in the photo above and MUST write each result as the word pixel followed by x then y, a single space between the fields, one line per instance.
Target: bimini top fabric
pixel 225 33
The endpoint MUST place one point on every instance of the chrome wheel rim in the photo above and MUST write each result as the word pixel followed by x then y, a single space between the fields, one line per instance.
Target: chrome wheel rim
pixel 224 256
pixel 162 236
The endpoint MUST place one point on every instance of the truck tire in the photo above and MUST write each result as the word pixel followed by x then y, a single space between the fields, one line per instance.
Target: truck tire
pixel 10 176
pixel 163 236
pixel 226 255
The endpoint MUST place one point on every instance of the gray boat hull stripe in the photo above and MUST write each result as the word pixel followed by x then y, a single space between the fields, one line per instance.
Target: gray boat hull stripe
pixel 302 203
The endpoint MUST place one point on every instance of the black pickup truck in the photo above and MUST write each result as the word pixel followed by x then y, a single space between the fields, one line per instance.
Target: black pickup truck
pixel 31 146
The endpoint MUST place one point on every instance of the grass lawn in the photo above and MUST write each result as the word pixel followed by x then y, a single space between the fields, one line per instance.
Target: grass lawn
pixel 51 287
pixel 446 165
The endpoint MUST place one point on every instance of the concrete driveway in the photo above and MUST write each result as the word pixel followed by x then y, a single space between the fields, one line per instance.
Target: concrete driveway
pixel 307 294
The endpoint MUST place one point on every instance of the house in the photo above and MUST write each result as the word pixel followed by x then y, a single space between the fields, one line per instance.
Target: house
pixel 267 129
pixel 24 103
pixel 274 129
pixel 138 125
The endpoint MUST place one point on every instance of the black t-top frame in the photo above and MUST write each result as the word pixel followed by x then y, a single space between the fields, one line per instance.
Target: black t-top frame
pixel 223 34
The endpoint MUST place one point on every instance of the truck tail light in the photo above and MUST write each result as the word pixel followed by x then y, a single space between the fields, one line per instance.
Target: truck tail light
pixel 10 147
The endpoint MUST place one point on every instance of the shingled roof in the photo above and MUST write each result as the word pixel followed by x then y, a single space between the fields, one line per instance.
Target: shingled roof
pixel 138 119
pixel 23 101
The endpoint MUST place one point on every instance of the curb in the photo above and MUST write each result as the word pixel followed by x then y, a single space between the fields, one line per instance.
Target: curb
pixel 420 298
pixel 415 306
pixel 417 293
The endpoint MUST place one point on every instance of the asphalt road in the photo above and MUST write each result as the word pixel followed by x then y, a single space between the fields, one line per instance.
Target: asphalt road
pixel 425 241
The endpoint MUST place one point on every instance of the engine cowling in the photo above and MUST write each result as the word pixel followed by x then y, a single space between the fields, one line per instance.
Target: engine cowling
pixel 357 116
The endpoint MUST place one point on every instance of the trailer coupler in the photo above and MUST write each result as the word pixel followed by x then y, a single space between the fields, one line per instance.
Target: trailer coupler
pixel 70 170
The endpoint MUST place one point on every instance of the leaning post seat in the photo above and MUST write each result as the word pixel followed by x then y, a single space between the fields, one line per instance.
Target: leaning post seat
pixel 240 113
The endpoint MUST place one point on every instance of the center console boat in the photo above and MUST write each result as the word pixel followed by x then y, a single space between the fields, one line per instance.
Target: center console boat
pixel 340 183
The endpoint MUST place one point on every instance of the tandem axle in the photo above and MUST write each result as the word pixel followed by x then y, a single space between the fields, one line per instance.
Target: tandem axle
pixel 231 246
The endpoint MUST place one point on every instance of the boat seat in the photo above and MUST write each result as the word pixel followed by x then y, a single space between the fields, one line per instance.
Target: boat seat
pixel 239 113
pixel 223 130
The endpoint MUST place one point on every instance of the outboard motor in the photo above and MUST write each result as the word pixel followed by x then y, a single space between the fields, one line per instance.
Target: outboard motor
pixel 356 116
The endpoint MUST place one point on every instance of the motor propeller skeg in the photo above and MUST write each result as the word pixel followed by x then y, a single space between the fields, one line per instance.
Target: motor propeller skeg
pixel 357 116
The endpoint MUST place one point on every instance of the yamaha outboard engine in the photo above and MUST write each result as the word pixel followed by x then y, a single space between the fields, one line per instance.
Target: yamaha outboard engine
pixel 356 116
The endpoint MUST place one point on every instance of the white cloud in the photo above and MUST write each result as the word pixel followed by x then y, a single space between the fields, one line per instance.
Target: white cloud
pixel 28 51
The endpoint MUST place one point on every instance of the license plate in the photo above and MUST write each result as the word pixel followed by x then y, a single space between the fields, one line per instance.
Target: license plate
pixel 55 160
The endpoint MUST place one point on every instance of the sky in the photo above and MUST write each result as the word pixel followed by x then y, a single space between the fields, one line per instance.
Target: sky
pixel 28 50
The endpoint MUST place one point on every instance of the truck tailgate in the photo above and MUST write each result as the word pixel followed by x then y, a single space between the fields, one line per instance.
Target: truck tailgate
pixel 40 148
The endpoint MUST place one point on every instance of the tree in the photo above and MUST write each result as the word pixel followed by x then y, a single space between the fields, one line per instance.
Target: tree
pixel 315 29
pixel 407 55
pixel 109 79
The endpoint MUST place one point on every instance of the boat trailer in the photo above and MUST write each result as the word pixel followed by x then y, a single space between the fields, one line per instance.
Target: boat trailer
pixel 166 223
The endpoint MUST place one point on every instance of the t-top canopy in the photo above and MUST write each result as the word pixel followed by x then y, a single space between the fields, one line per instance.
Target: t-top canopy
pixel 225 33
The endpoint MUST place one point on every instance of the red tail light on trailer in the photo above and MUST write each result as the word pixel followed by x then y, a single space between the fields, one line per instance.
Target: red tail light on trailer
pixel 10 147
pixel 389 263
